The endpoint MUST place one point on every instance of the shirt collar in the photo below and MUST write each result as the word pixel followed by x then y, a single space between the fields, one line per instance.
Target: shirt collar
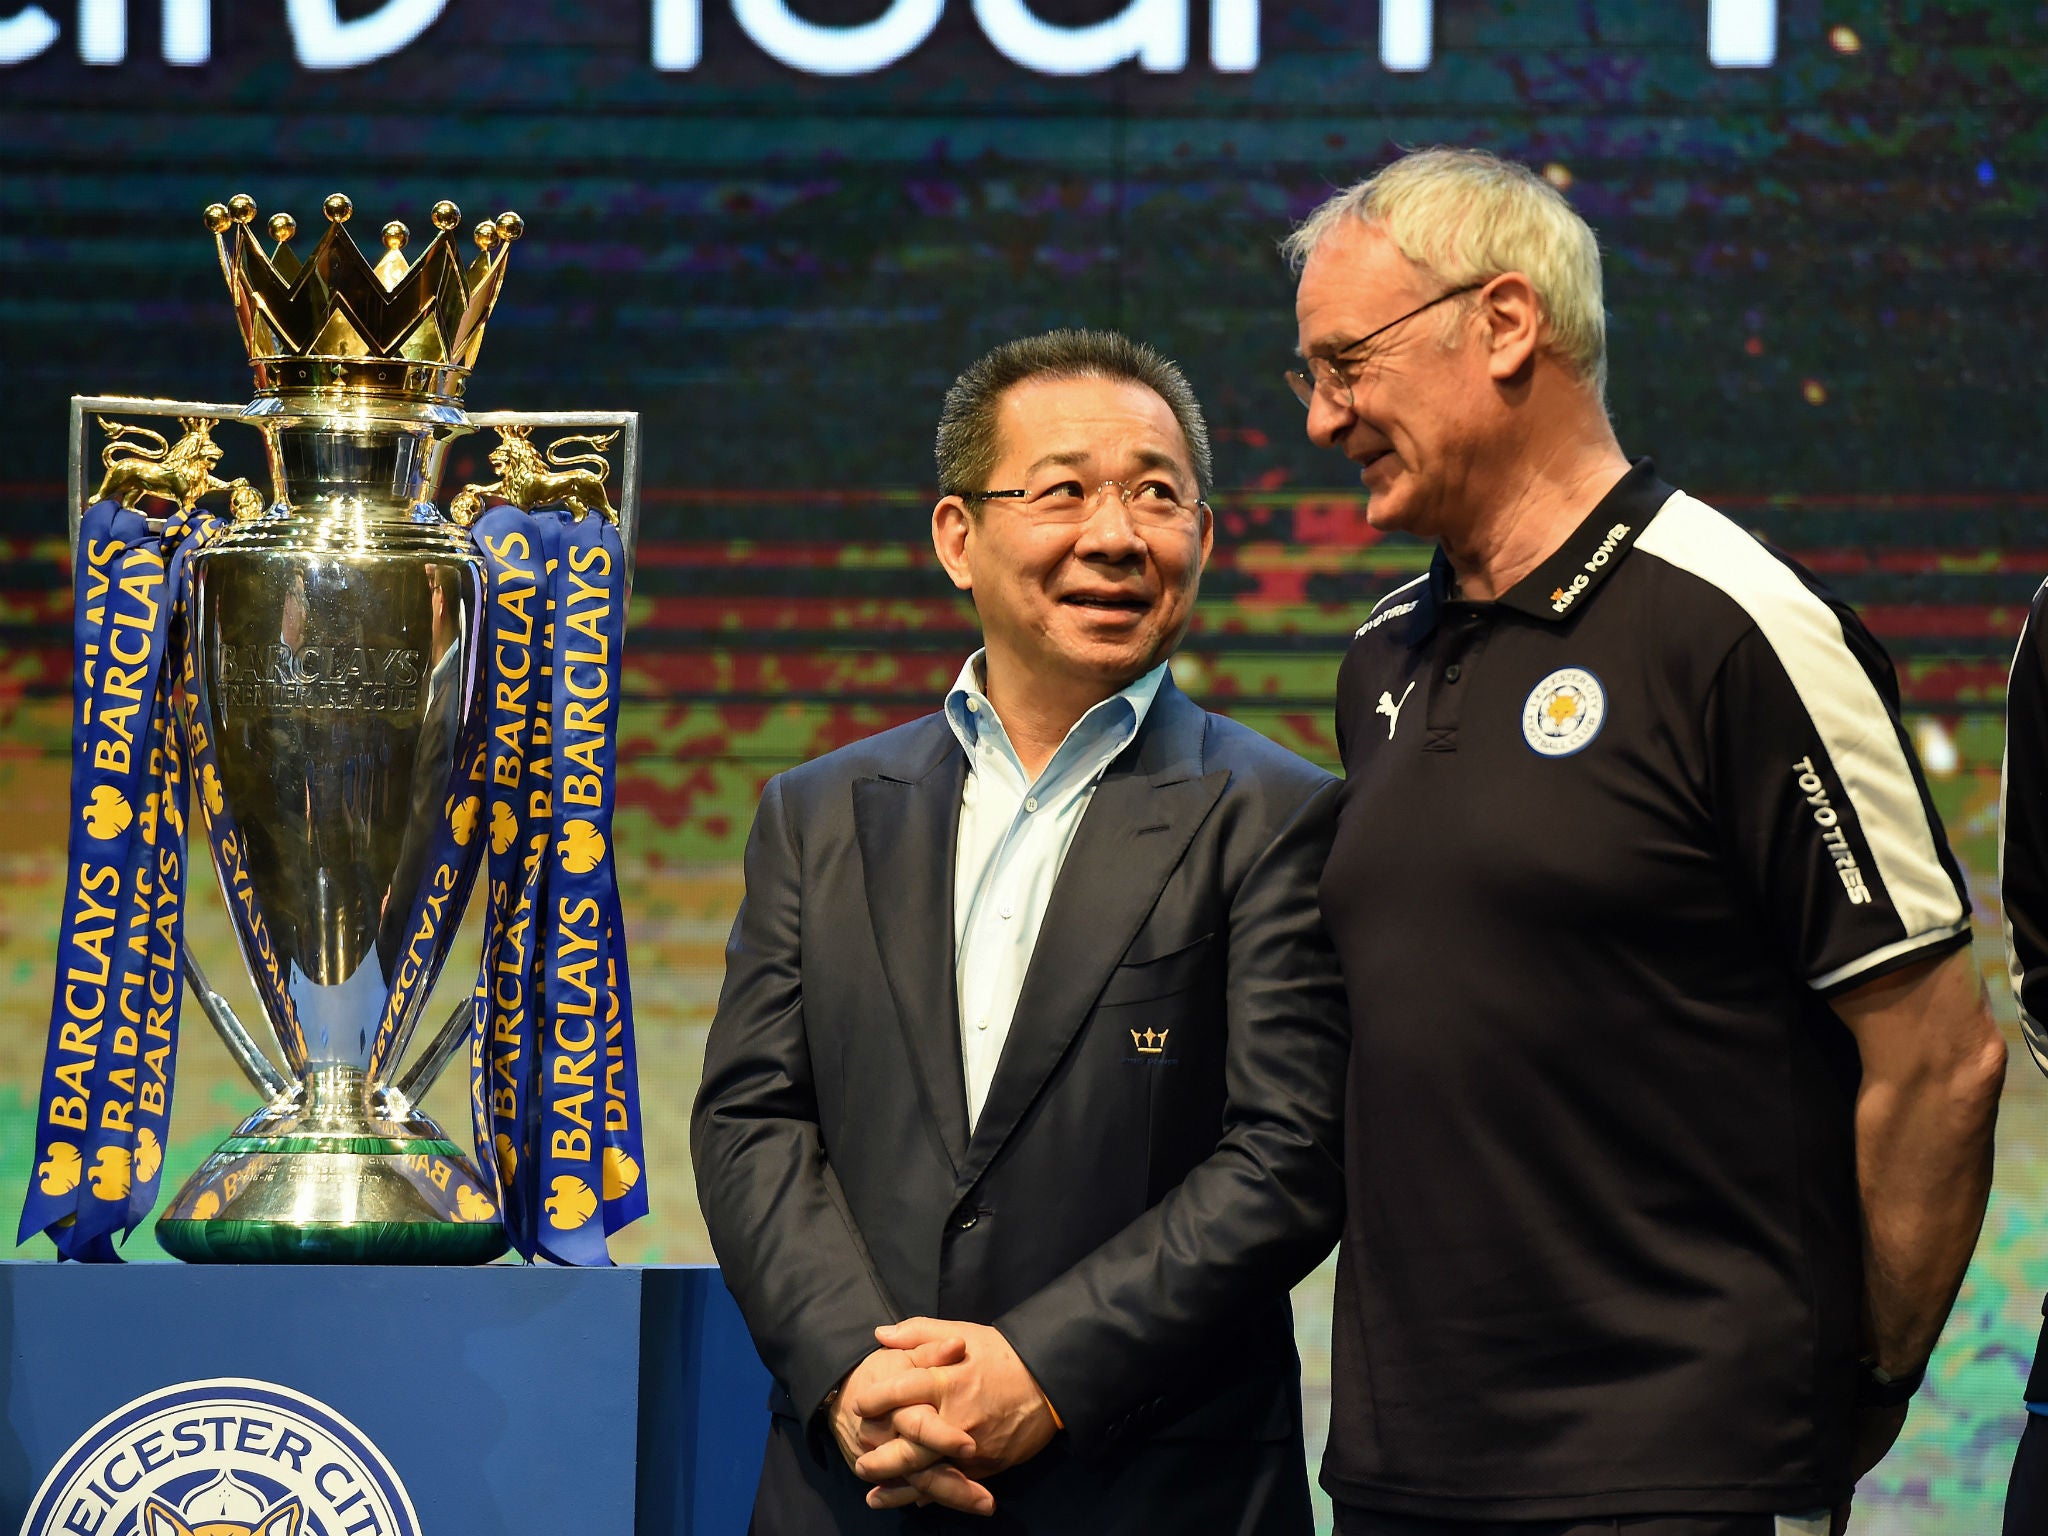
pixel 1134 700
pixel 1566 581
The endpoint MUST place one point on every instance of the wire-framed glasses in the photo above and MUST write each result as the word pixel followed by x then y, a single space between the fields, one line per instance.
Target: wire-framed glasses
pixel 1152 502
pixel 1335 372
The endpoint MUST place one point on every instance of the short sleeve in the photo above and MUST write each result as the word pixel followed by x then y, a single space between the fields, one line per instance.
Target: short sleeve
pixel 2023 829
pixel 1820 804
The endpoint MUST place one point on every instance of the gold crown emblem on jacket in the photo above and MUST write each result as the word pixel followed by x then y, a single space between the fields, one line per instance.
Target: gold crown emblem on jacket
pixel 337 323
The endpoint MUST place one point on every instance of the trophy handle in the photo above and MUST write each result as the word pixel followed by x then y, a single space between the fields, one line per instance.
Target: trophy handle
pixel 446 1045
pixel 626 423
pixel 249 1056
pixel 241 1044
pixel 84 408
pixel 448 1041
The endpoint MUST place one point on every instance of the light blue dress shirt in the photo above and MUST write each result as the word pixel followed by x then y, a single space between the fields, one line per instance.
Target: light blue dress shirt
pixel 1014 835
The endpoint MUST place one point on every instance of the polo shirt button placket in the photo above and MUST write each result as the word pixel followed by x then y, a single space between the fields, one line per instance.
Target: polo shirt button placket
pixel 1461 637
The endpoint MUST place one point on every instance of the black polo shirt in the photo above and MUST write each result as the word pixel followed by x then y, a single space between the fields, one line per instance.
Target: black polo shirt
pixel 1605 848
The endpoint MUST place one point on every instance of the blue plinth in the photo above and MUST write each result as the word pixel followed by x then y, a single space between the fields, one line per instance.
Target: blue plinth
pixel 507 1399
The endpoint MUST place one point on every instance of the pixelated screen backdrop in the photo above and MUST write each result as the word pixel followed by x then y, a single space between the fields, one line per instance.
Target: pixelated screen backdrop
pixel 778 227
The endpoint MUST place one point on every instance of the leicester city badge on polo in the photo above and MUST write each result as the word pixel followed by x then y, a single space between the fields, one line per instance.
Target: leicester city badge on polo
pixel 1564 712
pixel 362 701
pixel 227 1457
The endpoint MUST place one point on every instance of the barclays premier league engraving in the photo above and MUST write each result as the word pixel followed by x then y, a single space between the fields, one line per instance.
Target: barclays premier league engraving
pixel 363 701
pixel 222 1458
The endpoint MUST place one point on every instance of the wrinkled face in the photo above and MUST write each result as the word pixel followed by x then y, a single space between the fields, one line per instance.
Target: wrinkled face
pixel 1102 599
pixel 1417 409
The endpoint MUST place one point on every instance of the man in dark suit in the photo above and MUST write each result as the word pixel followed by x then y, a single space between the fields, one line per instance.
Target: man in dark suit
pixel 1019 1114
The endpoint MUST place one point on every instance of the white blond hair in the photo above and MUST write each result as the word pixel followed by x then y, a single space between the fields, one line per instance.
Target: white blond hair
pixel 1465 216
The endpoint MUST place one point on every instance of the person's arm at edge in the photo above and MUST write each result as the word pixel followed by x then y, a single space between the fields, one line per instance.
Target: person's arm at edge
pixel 1933 1064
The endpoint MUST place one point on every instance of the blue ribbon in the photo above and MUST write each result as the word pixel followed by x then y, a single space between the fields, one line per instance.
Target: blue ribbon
pixel 166 976
pixel 553 1089
pixel 85 932
pixel 625 1194
pixel 577 1167
pixel 130 709
pixel 110 1149
pixel 516 693
pixel 89 1141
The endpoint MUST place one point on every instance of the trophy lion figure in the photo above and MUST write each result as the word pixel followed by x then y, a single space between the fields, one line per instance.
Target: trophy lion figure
pixel 141 463
pixel 527 479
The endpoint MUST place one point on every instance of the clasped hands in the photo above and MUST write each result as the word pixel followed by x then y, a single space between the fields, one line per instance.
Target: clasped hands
pixel 938 1407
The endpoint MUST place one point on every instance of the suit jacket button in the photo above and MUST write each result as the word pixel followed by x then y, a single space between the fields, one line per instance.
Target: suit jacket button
pixel 967 1220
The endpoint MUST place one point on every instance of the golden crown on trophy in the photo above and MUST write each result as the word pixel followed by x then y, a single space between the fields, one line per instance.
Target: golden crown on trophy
pixel 337 323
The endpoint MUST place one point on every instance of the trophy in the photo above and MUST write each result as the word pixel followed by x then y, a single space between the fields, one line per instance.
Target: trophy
pixel 337 661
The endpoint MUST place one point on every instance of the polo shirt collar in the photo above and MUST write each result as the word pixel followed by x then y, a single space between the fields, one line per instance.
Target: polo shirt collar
pixel 1567 580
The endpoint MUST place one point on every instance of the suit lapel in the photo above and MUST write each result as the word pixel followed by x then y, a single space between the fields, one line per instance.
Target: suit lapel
pixel 1138 826
pixel 906 827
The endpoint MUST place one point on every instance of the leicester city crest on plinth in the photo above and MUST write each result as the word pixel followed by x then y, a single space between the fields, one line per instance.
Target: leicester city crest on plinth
pixel 226 1457
pixel 361 701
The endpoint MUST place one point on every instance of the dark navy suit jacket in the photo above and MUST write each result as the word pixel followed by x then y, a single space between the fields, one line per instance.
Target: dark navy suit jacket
pixel 1158 1160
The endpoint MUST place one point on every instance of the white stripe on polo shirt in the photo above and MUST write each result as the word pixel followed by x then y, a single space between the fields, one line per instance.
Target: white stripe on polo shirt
pixel 1382 611
pixel 1856 730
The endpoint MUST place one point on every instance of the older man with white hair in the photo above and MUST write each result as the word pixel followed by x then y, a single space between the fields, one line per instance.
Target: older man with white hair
pixel 1670 1106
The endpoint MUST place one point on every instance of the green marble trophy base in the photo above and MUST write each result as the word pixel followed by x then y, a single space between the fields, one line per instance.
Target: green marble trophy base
pixel 332 1175
pixel 361 1242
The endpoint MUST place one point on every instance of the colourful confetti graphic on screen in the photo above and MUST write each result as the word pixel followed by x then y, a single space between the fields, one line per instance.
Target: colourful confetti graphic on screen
pixel 1820 270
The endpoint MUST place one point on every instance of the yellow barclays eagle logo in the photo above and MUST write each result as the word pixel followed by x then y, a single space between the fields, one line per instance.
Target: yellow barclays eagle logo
pixel 581 846
pixel 462 818
pixel 109 1173
pixel 107 813
pixel 571 1204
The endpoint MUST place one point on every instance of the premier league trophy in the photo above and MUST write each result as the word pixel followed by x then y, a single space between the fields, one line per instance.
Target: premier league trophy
pixel 366 699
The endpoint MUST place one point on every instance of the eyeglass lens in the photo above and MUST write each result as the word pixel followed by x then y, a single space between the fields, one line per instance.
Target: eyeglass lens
pixel 1332 378
pixel 1149 502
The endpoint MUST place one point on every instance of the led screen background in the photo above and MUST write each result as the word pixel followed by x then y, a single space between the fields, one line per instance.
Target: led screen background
pixel 1821 284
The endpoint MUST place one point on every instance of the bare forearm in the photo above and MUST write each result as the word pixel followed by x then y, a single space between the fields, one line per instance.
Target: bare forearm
pixel 1923 1155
